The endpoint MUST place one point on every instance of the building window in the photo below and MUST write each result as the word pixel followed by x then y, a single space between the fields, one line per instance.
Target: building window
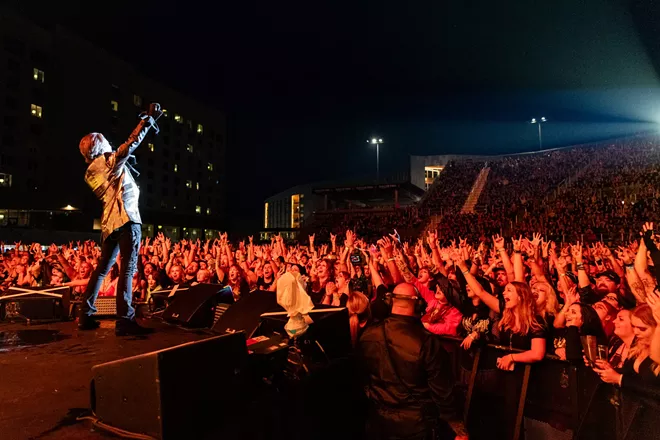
pixel 200 129
pixel 189 148
pixel 266 215
pixel 137 100
pixel 176 168
pixel 295 211
pixel 5 179
pixel 208 211
pixel 197 186
pixel 178 118
pixel 188 183
pixel 38 75
pixel 115 105
pixel 198 209
pixel 165 112
pixel 36 110
pixel 210 166
pixel 150 146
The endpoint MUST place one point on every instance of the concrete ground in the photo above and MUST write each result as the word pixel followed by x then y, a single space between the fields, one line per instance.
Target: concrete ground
pixel 45 373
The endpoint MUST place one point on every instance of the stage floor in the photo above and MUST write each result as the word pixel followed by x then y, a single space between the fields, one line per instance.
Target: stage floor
pixel 45 371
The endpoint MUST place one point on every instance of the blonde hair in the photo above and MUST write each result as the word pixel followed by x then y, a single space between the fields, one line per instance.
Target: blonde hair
pixel 645 314
pixel 551 305
pixel 359 313
pixel 92 146
pixel 525 310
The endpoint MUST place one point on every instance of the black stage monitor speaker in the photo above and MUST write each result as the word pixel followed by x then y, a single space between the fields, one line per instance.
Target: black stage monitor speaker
pixel 245 313
pixel 196 306
pixel 330 330
pixel 185 392
pixel 36 303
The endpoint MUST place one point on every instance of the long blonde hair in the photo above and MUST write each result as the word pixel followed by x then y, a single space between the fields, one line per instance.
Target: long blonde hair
pixel 525 311
pixel 551 305
pixel 359 313
pixel 645 314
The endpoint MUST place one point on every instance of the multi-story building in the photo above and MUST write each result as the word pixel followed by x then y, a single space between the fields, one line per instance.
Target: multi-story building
pixel 54 88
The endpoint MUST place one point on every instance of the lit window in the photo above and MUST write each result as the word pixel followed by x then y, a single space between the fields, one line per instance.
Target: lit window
pixel 174 207
pixel 36 110
pixel 200 128
pixel 189 148
pixel 210 166
pixel 197 186
pixel 137 100
pixel 165 112
pixel 188 183
pixel 198 209
pixel 208 211
pixel 114 105
pixel 266 215
pixel 176 168
pixel 151 146
pixel 38 75
pixel 178 118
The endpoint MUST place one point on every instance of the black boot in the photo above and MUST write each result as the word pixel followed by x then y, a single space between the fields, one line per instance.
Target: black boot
pixel 129 327
pixel 86 322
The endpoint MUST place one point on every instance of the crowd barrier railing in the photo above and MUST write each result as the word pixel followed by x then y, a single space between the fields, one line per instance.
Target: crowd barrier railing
pixel 558 394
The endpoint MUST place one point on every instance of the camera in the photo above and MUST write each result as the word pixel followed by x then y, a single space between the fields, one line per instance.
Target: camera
pixel 356 257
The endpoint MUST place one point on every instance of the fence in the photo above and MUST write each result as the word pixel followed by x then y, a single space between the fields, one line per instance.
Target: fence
pixel 552 399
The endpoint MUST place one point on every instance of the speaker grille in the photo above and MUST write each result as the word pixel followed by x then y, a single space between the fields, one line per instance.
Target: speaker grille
pixel 220 310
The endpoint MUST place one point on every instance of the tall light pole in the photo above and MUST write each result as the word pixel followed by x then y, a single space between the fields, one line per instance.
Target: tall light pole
pixel 376 142
pixel 539 122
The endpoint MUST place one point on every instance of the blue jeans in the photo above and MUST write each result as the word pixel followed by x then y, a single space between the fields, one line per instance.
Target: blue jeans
pixel 126 241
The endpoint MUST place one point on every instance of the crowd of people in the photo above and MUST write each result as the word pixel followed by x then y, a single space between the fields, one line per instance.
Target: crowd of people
pixel 526 293
pixel 554 281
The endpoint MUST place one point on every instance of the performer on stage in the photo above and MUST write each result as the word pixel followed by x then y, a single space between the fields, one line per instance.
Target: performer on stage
pixel 110 176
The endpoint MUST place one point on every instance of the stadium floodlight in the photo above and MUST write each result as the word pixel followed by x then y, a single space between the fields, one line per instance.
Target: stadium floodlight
pixel 539 122
pixel 376 142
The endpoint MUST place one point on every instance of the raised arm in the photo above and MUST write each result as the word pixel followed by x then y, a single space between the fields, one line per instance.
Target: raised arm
pixel 491 301
pixel 147 121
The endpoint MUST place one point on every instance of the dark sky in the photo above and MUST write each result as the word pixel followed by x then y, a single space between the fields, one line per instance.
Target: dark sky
pixel 304 84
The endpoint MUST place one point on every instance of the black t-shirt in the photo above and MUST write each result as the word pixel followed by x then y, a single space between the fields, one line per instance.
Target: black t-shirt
pixel 379 309
pixel 507 338
pixel 262 284
pixel 317 297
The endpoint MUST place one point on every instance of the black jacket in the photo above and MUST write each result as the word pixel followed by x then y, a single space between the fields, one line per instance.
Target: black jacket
pixel 410 390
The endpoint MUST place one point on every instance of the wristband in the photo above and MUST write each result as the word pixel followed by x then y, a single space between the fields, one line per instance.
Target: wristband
pixel 391 259
pixel 629 266
pixel 580 266
pixel 465 272
pixel 517 251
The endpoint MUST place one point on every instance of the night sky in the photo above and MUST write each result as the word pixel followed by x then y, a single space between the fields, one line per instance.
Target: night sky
pixel 304 84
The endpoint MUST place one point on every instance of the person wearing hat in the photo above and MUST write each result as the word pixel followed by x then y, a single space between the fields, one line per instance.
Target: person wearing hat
pixel 605 282
pixel 110 176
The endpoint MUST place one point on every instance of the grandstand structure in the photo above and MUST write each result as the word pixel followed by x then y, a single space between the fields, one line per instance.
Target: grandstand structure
pixel 604 187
